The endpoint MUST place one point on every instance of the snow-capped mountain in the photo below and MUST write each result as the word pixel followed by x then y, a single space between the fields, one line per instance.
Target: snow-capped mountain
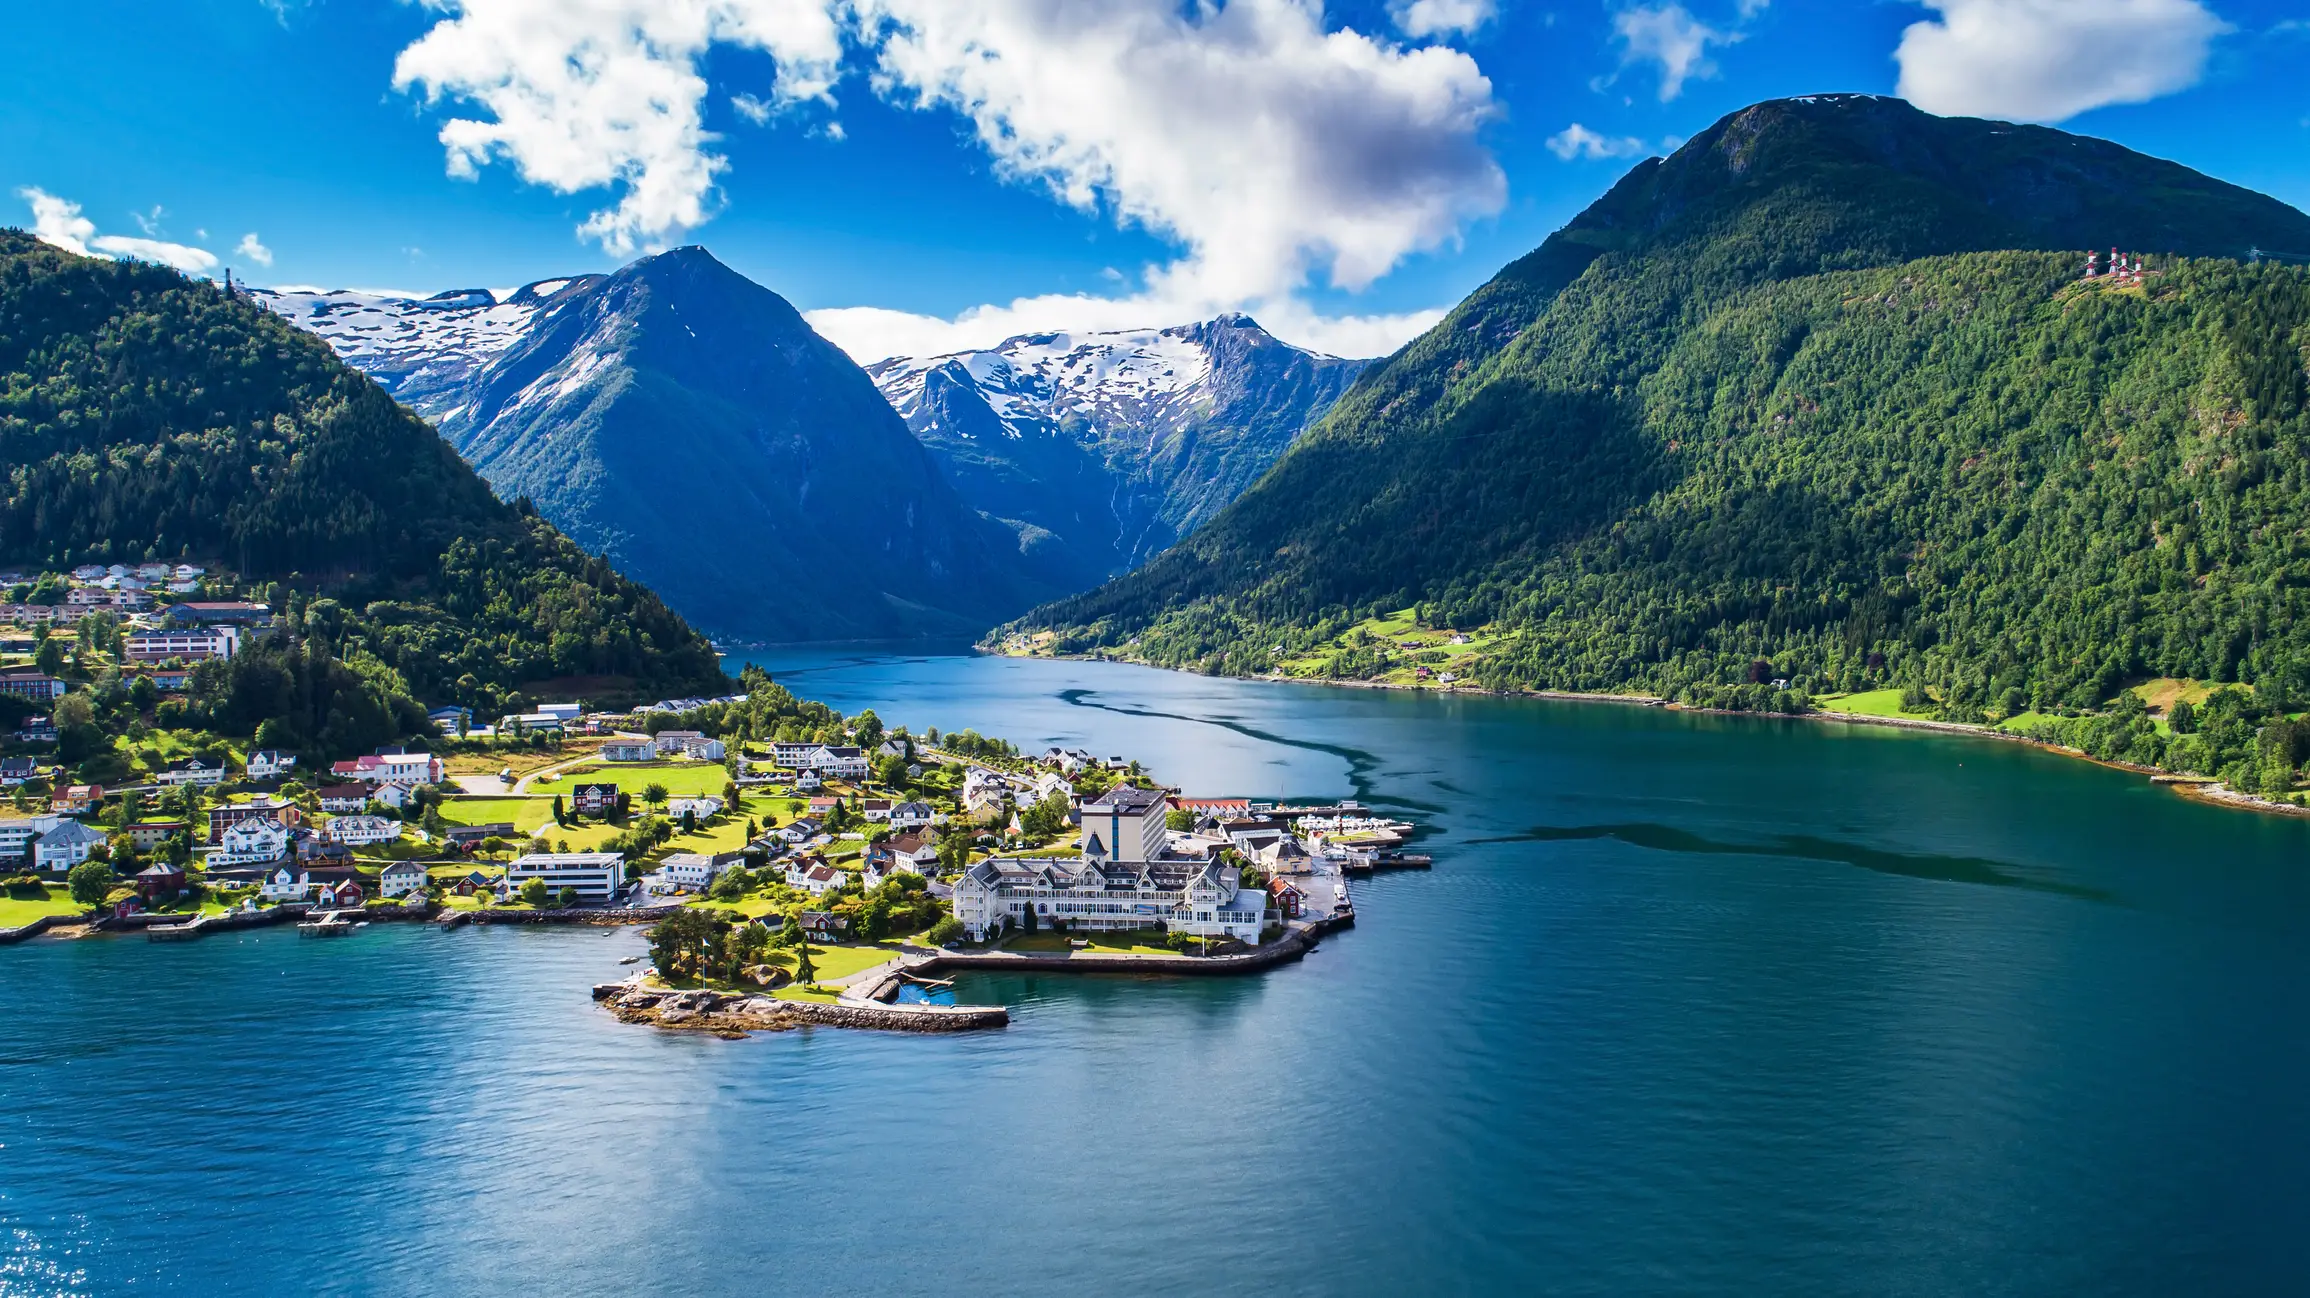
pixel 689 425
pixel 1117 443
pixel 423 349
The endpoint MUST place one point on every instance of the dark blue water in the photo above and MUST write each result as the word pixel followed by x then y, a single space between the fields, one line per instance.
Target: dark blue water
pixel 1689 1005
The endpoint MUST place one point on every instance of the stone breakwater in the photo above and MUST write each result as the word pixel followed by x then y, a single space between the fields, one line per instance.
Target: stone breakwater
pixel 737 1014
pixel 643 915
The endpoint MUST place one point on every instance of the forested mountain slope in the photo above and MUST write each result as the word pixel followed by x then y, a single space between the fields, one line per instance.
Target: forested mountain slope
pixel 1115 443
pixel 688 425
pixel 1757 413
pixel 146 415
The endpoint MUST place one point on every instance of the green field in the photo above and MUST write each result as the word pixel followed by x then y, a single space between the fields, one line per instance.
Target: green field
pixel 681 779
pixel 526 814
pixel 16 912
pixel 1873 703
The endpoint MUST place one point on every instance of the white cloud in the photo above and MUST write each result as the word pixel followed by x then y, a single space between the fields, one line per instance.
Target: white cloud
pixel 1672 38
pixel 1418 18
pixel 579 96
pixel 58 222
pixel 1269 148
pixel 1577 141
pixel 183 256
pixel 149 222
pixel 250 248
pixel 2049 60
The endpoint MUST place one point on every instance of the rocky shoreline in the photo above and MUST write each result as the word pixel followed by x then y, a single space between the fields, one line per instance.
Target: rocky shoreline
pixel 731 1015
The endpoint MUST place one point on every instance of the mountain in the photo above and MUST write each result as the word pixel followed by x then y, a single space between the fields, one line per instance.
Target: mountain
pixel 1823 397
pixel 144 415
pixel 1116 444
pixel 687 425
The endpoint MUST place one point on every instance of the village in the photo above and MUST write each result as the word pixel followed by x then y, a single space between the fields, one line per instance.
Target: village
pixel 815 855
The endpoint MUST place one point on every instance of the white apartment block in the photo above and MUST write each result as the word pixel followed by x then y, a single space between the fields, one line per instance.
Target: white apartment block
pixel 595 875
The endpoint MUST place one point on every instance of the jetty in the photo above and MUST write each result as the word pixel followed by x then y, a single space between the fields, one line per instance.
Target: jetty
pixel 327 923
pixel 179 932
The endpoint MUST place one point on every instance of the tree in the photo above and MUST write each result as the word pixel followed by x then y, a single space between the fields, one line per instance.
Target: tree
pixel 1046 817
pixel 1179 819
pixel 566 898
pixel 681 943
pixel 559 816
pixel 946 930
pixel 654 793
pixel 804 971
pixel 534 892
pixel 90 883
pixel 1030 923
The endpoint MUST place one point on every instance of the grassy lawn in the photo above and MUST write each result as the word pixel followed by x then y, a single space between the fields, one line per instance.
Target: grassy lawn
pixel 1873 703
pixel 681 779
pixel 835 961
pixel 525 814
pixel 16 912
pixel 1128 942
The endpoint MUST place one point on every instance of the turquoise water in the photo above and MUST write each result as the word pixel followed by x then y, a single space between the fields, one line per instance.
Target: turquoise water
pixel 1689 1005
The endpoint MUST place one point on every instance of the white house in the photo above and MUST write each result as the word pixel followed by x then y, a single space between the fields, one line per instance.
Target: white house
pixel 284 884
pixel 704 808
pixel 250 842
pixel 65 846
pixel 199 772
pixel 628 750
pixel 594 875
pixel 396 793
pixel 808 782
pixel 1050 782
pixel 270 764
pixel 813 876
pixel 912 815
pixel 400 879
pixel 360 831
pixel 875 810
pixel 692 871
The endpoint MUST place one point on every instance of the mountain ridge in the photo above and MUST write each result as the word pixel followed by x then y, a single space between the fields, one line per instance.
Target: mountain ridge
pixel 687 423
pixel 1528 463
pixel 1115 442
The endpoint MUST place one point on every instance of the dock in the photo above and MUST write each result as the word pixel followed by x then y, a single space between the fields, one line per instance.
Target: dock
pixel 327 923
pixel 178 932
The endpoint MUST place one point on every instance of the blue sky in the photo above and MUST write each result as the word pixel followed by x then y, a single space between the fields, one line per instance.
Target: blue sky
pixel 936 173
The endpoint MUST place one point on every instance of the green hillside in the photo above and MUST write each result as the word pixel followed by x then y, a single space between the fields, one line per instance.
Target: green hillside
pixel 1791 404
pixel 145 415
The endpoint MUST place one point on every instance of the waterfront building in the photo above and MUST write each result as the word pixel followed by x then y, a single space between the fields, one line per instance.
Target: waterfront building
pixel 1199 898
pixel 688 871
pixel 594 875
pixel 400 879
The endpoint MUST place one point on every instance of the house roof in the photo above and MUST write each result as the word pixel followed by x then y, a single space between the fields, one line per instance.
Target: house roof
pixel 1127 799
